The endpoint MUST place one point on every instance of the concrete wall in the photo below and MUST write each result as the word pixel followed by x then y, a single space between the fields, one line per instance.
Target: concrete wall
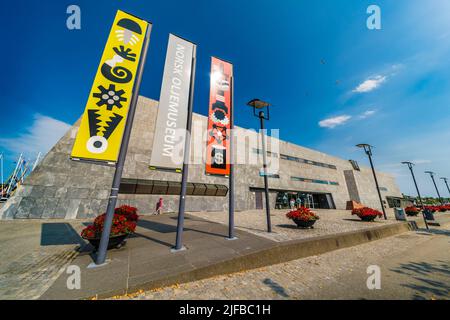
pixel 62 188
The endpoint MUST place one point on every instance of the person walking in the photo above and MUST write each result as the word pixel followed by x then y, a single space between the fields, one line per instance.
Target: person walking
pixel 159 206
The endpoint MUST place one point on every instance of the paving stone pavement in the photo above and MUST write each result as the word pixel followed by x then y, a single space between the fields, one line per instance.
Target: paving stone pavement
pixel 407 273
pixel 32 276
pixel 34 254
pixel 331 222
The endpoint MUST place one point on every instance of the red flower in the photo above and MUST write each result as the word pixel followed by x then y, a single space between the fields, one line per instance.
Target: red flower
pixel 89 232
pixel 124 222
pixel 130 213
pixel 433 208
pixel 412 210
pixel 303 214
pixel 366 212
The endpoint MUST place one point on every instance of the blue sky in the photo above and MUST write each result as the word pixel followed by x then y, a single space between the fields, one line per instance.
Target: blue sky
pixel 333 82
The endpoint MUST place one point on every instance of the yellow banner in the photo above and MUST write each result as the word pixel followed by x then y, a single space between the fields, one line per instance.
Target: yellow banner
pixel 101 130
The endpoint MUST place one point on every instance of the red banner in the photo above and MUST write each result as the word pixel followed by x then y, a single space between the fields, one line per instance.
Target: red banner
pixel 220 108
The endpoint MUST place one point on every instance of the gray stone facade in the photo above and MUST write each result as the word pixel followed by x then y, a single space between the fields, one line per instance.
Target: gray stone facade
pixel 62 188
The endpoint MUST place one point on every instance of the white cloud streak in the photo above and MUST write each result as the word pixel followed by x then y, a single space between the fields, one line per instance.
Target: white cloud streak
pixel 334 122
pixel 370 84
pixel 40 136
pixel 367 114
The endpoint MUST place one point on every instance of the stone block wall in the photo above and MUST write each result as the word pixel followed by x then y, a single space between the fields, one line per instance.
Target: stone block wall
pixel 62 188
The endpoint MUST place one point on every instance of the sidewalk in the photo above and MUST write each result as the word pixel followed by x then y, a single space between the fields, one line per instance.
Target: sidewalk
pixel 147 262
pixel 36 253
pixel 331 222
pixel 33 255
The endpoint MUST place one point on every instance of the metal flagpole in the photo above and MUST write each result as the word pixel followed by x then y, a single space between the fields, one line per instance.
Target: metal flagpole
pixel 368 149
pixel 1 168
pixel 231 235
pixel 36 161
pixel 3 181
pixel 446 183
pixel 410 166
pixel 13 176
pixel 266 183
pixel 434 182
pixel 187 149
pixel 24 170
pixel 101 254
pixel 378 187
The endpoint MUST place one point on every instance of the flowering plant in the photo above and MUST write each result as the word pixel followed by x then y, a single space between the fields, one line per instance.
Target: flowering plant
pixel 432 209
pixel 124 222
pixel 303 214
pixel 366 212
pixel 128 212
pixel 412 210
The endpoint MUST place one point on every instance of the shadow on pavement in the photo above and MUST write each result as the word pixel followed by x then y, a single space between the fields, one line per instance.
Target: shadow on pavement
pixel 167 228
pixel 418 271
pixel 157 226
pixel 54 234
pixel 436 232
pixel 289 226
pixel 278 289
pixel 359 220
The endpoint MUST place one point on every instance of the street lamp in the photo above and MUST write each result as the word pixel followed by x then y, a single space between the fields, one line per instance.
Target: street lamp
pixel 445 180
pixel 410 166
pixel 434 182
pixel 368 149
pixel 261 105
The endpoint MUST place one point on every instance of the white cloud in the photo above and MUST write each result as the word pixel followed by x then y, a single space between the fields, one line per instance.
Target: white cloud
pixel 41 136
pixel 391 150
pixel 367 114
pixel 335 121
pixel 341 120
pixel 370 84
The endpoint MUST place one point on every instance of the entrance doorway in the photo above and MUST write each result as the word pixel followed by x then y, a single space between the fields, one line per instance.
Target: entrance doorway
pixel 258 200
pixel 288 200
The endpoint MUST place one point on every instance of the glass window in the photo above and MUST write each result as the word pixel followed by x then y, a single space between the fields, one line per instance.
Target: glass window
pixel 318 181
pixel 300 160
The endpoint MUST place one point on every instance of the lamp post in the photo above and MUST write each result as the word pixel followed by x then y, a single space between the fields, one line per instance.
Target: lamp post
pixel 446 183
pixel 1 169
pixel 410 166
pixel 434 182
pixel 261 105
pixel 368 149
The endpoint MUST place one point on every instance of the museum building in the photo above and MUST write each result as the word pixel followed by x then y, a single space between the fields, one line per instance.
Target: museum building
pixel 63 188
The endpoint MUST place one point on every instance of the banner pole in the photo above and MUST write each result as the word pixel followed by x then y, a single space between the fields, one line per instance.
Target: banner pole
pixel 187 149
pixel 231 235
pixel 101 253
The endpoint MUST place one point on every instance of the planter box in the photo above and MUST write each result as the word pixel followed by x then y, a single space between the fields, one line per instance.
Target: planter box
pixel 368 218
pixel 114 242
pixel 304 224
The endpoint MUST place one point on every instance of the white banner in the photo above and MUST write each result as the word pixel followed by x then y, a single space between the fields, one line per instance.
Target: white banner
pixel 170 129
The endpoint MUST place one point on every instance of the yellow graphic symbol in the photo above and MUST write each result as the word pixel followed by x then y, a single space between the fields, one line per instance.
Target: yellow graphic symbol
pixel 100 134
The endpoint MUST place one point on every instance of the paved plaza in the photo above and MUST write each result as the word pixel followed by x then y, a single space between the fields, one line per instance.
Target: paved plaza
pixel 34 253
pixel 414 265
pixel 33 266
pixel 331 222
